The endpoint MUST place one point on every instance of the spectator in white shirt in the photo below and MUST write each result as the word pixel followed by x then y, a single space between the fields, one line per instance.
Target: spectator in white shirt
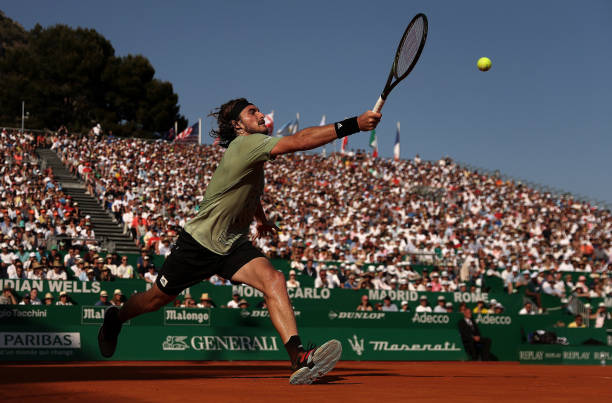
pixel 57 273
pixel 423 305
pixel 527 309
pixel 151 275
pixel 233 303
pixel 124 270
pixel 292 282
pixel 441 307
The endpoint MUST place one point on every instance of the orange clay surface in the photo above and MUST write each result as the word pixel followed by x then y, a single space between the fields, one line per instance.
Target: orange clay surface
pixel 350 382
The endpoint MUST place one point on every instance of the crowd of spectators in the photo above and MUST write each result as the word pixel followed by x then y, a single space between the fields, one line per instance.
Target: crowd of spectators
pixel 373 217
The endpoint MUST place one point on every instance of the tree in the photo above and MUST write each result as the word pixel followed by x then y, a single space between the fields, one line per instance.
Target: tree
pixel 72 77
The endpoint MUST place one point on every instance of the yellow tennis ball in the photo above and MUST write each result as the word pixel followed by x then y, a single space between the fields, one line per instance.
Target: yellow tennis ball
pixel 484 64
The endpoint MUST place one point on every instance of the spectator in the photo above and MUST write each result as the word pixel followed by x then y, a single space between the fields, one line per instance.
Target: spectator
pixel 405 307
pixel 292 282
pixel 110 265
pixel 57 273
pixel 527 309
pixel 233 303
pixel 105 274
pixel 534 290
pixel 7 297
pixel 476 346
pixel 423 305
pixel 365 304
pixel 26 299
pixel 441 307
pixel 34 297
pixel 117 299
pixel 151 275
pixel 205 301
pixel 124 270
pixel 90 275
pixel 64 300
pixel 145 267
pixel 103 301
pixel 449 307
pixel 48 299
pixel 189 302
pixel 388 306
pixel 601 316
pixel 16 271
pixel 480 307
pixel 577 323
pixel 243 304
pixel 322 281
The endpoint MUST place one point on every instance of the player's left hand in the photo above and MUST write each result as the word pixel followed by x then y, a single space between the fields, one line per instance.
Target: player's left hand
pixel 265 228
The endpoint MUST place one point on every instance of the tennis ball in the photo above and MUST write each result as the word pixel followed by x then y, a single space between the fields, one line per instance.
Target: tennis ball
pixel 484 64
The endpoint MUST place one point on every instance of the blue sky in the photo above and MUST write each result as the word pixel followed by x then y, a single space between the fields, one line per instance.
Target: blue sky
pixel 542 113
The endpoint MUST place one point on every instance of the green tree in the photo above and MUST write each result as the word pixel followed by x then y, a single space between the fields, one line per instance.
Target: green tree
pixel 72 77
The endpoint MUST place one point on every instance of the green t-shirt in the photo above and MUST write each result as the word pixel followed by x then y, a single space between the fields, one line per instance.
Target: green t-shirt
pixel 233 194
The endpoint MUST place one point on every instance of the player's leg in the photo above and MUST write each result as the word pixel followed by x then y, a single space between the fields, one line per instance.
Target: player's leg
pixel 260 274
pixel 138 304
pixel 144 302
pixel 308 365
pixel 181 269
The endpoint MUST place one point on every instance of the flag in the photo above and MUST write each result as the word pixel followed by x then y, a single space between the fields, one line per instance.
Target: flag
pixel 324 151
pixel 269 118
pixel 396 146
pixel 189 135
pixel 344 144
pixel 295 126
pixel 284 129
pixel 374 144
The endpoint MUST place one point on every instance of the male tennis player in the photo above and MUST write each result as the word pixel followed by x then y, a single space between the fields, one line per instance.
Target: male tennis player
pixel 216 240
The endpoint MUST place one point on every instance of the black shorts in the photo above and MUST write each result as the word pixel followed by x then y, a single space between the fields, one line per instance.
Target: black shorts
pixel 189 263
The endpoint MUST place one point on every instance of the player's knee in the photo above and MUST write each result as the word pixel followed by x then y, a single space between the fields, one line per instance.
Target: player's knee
pixel 157 301
pixel 276 281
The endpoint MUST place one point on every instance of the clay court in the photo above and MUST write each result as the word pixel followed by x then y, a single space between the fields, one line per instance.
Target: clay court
pixel 267 381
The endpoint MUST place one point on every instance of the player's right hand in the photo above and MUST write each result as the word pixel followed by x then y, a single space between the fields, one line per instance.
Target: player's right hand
pixel 368 121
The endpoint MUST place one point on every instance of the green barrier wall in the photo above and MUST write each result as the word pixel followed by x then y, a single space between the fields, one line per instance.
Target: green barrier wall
pixel 70 333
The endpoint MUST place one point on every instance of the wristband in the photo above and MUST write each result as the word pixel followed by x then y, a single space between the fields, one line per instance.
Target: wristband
pixel 346 127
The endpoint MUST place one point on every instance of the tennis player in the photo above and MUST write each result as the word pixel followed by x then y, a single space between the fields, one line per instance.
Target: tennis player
pixel 216 240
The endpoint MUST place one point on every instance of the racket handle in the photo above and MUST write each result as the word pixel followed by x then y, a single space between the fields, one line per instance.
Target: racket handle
pixel 379 105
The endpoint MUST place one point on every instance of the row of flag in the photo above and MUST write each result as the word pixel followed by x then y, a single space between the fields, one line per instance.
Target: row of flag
pixel 192 134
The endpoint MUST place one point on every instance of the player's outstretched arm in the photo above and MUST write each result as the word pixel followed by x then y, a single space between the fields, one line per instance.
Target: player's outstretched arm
pixel 313 137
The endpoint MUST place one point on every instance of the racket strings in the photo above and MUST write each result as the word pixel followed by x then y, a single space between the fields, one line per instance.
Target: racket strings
pixel 410 48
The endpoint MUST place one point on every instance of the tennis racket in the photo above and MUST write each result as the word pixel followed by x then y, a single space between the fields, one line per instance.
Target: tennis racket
pixel 407 55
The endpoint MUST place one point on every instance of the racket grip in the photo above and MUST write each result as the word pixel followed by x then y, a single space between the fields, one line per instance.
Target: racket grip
pixel 379 105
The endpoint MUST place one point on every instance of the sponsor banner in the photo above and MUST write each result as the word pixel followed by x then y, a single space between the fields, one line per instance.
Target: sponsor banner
pixel 31 340
pixel 418 344
pixel 53 286
pixel 8 313
pixel 491 319
pixel 92 315
pixel 187 316
pixel 556 354
pixel 221 343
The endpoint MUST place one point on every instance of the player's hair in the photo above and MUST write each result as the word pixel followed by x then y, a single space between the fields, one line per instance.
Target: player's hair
pixel 225 132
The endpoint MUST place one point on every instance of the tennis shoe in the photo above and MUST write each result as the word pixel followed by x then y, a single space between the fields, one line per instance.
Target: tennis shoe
pixel 315 363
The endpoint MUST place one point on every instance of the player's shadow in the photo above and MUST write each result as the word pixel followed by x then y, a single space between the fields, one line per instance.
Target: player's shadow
pixel 84 373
